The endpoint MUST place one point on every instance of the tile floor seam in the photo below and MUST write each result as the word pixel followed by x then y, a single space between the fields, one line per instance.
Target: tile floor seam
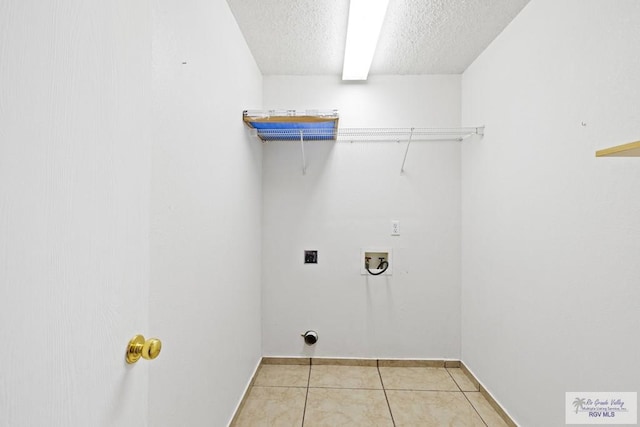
pixel 426 391
pixel 453 379
pixel 465 396
pixel 474 408
pixel 306 396
pixel 345 388
pixel 384 390
pixel 279 386
pixel 456 381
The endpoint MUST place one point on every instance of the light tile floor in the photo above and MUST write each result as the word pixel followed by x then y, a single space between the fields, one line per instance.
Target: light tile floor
pixel 339 395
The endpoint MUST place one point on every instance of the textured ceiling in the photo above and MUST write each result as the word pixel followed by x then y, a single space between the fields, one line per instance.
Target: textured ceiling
pixel 306 37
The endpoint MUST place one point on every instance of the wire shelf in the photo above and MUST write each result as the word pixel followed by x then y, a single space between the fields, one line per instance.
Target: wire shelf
pixel 317 125
pixel 368 134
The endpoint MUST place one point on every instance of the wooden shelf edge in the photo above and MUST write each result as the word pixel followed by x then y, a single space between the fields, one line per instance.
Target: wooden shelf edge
pixel 631 149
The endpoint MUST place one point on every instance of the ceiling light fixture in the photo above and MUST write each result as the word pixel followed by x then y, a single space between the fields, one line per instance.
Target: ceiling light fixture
pixel 365 21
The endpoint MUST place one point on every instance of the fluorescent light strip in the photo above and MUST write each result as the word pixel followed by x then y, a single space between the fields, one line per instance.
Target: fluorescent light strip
pixel 365 22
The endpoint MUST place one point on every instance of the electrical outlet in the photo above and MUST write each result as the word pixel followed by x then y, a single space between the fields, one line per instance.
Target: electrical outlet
pixel 395 227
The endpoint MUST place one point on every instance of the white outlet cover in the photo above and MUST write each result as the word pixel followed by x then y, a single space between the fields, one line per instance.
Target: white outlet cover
pixel 395 227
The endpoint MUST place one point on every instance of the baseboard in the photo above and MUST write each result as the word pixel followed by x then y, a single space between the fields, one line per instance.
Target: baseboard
pixel 245 394
pixel 487 395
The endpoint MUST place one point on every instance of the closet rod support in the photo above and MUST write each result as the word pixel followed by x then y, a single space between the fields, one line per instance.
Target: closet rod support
pixel 304 160
pixel 406 152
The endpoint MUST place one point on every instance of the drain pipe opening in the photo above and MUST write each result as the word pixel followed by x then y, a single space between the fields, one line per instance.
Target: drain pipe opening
pixel 310 337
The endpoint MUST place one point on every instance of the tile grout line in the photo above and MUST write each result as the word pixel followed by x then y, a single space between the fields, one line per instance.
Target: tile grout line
pixel 280 386
pixel 384 390
pixel 467 399
pixel 424 390
pixel 474 408
pixel 335 387
pixel 306 396
pixel 453 379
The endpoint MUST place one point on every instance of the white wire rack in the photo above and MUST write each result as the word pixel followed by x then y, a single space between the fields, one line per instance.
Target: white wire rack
pixel 368 134
pixel 322 125
pixel 406 134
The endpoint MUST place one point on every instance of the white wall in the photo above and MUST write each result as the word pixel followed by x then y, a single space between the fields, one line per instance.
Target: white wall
pixel 551 235
pixel 74 210
pixel 205 215
pixel 346 201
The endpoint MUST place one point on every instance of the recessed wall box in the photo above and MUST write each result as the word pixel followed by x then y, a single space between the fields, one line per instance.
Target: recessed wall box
pixel 310 257
pixel 375 256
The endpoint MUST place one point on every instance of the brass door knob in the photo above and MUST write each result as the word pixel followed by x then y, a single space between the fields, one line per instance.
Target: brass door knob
pixel 139 347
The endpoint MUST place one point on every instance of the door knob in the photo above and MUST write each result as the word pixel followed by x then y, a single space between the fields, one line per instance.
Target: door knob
pixel 139 347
